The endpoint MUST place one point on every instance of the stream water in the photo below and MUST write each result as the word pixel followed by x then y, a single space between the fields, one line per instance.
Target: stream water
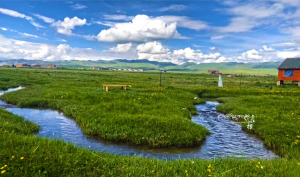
pixel 226 139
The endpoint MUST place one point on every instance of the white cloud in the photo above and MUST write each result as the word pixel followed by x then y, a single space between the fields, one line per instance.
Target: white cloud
pixel 118 17
pixel 19 15
pixel 191 54
pixel 152 48
pixel 174 7
pixel 293 31
pixel 141 29
pixel 37 25
pixel 4 29
pixel 144 28
pixel 247 16
pixel 257 10
pixel 267 49
pixel 45 19
pixel 14 14
pixel 66 26
pixel 216 37
pixel 288 54
pixel 213 48
pixel 105 23
pixel 155 51
pixel 238 24
pixel 287 44
pixel 289 2
pixel 78 7
pixel 121 48
pixel 29 35
pixel 62 40
pixel 250 55
pixel 184 22
pixel 16 49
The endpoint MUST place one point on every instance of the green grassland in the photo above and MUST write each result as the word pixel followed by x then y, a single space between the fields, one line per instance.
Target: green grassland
pixel 225 68
pixel 145 110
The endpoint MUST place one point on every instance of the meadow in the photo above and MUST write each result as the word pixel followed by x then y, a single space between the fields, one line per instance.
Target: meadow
pixel 145 114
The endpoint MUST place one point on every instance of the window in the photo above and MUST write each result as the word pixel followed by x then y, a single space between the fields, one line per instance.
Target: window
pixel 288 73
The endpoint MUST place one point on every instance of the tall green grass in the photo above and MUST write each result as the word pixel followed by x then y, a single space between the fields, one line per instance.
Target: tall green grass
pixel 79 94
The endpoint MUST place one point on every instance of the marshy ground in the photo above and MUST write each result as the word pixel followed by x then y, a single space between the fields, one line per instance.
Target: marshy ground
pixel 145 114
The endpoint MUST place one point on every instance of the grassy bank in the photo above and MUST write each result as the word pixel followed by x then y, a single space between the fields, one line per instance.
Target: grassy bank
pixel 80 95
pixel 144 114
pixel 25 155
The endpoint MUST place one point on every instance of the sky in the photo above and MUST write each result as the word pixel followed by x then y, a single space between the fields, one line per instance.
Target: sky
pixel 198 31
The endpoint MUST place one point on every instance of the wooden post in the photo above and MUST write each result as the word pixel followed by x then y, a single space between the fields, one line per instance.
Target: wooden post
pixel 278 83
pixel 106 88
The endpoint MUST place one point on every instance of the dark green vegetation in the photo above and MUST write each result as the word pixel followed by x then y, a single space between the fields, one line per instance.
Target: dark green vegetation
pixel 227 68
pixel 276 111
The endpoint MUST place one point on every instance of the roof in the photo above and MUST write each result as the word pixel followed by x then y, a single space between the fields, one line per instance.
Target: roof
pixel 290 63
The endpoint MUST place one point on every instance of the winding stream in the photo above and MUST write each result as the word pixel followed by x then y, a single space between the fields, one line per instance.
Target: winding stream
pixel 226 139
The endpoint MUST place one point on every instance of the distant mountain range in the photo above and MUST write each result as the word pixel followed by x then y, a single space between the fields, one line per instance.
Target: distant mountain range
pixel 226 67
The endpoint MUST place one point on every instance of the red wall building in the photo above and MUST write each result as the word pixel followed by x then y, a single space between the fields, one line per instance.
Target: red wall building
pixel 289 70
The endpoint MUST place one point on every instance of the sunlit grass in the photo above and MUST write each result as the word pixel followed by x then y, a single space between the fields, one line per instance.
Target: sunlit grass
pixel 145 110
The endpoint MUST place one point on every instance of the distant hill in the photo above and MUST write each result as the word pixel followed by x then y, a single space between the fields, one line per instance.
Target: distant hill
pixel 226 67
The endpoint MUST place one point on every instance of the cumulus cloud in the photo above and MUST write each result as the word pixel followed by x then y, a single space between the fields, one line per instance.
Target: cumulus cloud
pixel 78 7
pixel 16 14
pixel 16 49
pixel 65 27
pixel 121 48
pixel 152 48
pixel 157 52
pixel 288 54
pixel 174 7
pixel 45 19
pixel 250 55
pixel 141 29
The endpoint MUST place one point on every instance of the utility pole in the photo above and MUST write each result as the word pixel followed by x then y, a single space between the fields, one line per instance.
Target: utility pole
pixel 160 78
pixel 241 79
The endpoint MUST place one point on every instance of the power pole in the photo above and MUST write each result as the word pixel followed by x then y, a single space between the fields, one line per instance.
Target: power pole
pixel 160 78
pixel 241 79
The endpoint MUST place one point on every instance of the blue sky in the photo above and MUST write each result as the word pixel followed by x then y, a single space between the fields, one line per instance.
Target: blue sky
pixel 196 31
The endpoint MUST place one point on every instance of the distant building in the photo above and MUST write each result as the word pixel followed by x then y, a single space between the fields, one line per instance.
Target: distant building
pixel 289 70
pixel 7 65
pixel 36 66
pixel 51 66
pixel 213 72
pixel 22 65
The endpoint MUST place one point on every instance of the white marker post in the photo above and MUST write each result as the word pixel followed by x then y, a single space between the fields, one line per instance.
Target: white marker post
pixel 220 84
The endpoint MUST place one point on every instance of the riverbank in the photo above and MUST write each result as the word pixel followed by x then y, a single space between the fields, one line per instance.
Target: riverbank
pixel 276 113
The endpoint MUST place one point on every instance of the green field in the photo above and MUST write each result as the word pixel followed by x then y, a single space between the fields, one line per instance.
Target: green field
pixel 225 68
pixel 145 114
